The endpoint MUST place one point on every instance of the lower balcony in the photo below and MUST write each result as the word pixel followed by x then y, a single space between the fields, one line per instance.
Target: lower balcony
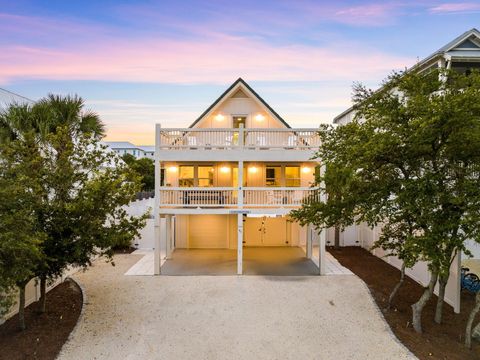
pixel 232 197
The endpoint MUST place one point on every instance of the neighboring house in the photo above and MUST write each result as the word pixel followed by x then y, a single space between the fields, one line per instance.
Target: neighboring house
pixel 8 97
pixel 461 54
pixel 125 147
pixel 148 151
pixel 232 177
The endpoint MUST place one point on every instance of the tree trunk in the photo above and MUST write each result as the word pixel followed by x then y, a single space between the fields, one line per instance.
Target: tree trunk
pixel 442 283
pixel 21 306
pixel 417 308
pixel 471 318
pixel 337 237
pixel 396 288
pixel 43 295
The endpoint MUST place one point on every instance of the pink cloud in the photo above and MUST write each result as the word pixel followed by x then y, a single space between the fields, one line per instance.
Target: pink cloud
pixel 455 8
pixel 214 59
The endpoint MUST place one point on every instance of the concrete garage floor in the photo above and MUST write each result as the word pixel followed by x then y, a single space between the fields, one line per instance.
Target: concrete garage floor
pixel 256 261
pixel 226 317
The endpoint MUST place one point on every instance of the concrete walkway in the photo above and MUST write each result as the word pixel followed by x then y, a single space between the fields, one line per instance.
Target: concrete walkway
pixel 274 261
pixel 227 317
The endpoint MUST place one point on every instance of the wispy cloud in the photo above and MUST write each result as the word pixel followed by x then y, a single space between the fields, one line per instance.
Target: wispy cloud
pixel 216 57
pixel 452 8
pixel 369 14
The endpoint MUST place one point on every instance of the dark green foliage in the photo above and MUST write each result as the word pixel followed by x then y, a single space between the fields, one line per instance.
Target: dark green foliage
pixel 412 160
pixel 145 168
pixel 79 191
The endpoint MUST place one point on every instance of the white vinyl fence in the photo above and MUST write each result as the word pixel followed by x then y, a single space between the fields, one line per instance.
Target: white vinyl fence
pixel 32 292
pixel 145 240
pixel 362 235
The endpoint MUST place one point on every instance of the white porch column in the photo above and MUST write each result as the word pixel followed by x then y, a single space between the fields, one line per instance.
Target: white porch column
pixel 240 244
pixel 240 184
pixel 321 252
pixel 322 233
pixel 168 236
pixel 309 244
pixel 156 211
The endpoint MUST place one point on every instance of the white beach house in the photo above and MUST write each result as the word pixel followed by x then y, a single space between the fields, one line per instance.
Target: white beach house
pixel 230 179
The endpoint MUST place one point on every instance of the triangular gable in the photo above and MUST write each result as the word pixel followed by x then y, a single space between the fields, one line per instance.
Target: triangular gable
pixel 239 89
pixel 467 44
pixel 239 94
pixel 470 36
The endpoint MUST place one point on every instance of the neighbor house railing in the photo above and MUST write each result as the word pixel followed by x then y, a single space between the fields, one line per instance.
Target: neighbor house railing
pixel 250 138
pixel 229 196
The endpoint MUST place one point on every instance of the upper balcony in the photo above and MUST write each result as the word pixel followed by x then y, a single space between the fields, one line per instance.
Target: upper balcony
pixel 220 144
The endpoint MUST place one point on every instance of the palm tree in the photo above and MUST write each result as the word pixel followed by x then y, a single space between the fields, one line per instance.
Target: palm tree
pixel 46 115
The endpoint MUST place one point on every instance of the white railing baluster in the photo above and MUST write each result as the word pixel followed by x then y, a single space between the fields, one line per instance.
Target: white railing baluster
pixel 214 138
pixel 227 196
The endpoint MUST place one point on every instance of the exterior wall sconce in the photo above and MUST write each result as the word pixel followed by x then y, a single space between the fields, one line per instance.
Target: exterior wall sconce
pixel 173 169
pixel 225 169
pixel 252 169
pixel 306 169
pixel 219 117
pixel 259 117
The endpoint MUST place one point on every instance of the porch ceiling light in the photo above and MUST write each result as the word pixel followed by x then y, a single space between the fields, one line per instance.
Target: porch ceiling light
pixel 173 169
pixel 259 117
pixel 219 117
pixel 306 169
pixel 225 169
pixel 252 169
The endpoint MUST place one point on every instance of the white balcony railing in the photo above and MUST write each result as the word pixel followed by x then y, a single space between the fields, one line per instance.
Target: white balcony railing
pixel 285 196
pixel 211 138
pixel 228 197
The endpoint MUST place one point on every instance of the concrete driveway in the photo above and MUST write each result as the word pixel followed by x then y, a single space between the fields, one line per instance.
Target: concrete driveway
pixel 227 317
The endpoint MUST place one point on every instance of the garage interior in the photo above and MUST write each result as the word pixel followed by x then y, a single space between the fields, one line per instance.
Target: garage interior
pixel 207 245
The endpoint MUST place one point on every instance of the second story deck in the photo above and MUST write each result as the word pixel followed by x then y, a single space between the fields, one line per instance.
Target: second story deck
pixel 220 144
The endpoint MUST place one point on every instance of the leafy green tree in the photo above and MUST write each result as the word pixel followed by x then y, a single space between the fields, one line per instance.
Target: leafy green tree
pixel 145 168
pixel 413 153
pixel 21 192
pixel 433 122
pixel 85 188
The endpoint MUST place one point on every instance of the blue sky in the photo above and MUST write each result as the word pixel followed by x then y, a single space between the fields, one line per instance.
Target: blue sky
pixel 141 62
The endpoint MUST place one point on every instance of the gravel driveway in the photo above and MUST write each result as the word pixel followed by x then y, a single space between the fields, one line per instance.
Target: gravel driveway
pixel 227 317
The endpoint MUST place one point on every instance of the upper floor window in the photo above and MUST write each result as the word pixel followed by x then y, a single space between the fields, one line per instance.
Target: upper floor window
pixel 205 176
pixel 186 176
pixel 273 175
pixel 292 176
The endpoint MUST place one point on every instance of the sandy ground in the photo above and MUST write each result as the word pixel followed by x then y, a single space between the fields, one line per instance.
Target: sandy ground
pixel 220 317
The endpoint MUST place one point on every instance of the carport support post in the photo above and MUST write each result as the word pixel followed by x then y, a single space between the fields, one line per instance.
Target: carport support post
pixel 240 244
pixel 309 245
pixel 168 236
pixel 321 251
pixel 156 211
pixel 322 233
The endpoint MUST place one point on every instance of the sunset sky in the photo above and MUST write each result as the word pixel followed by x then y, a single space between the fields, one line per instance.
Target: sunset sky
pixel 137 63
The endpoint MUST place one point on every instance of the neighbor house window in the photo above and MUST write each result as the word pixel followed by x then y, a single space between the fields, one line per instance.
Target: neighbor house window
pixel 186 177
pixel 205 176
pixel 273 175
pixel 292 176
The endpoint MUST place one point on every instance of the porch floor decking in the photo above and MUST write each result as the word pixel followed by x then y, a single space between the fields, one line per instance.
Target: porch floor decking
pixel 256 261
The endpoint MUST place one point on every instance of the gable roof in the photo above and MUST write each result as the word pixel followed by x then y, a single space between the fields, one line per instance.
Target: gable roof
pixel 454 48
pixel 236 84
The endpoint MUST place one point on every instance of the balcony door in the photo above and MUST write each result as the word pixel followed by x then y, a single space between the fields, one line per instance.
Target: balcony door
pixel 239 120
pixel 236 122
